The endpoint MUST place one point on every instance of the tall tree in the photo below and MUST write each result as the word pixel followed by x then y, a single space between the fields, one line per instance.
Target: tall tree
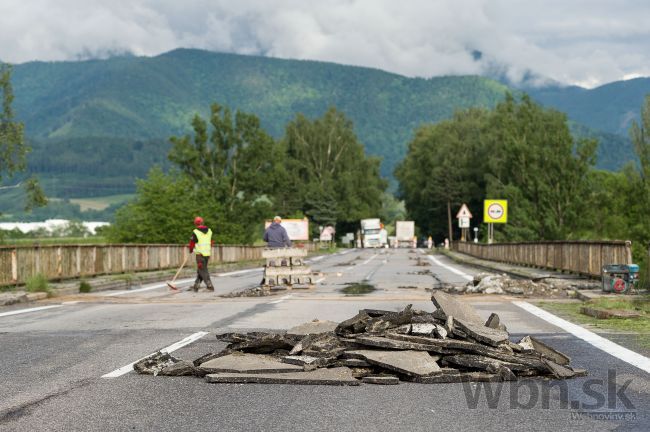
pixel 328 173
pixel 540 168
pixel 13 149
pixel 230 160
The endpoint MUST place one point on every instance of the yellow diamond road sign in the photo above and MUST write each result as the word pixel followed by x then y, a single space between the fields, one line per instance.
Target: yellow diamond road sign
pixel 495 211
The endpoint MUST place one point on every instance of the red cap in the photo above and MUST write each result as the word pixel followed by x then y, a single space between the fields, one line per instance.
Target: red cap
pixel 198 221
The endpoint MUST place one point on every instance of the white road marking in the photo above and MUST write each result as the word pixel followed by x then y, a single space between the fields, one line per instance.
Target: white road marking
pixel 451 269
pixel 320 280
pixel 346 251
pixel 238 272
pixel 628 356
pixel 281 299
pixel 318 258
pixel 147 288
pixel 369 259
pixel 171 348
pixel 22 311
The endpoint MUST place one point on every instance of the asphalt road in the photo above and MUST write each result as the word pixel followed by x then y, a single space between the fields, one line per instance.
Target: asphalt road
pixel 52 361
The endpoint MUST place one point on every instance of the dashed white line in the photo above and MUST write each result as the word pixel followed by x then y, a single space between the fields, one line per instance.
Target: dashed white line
pixel 451 269
pixel 369 259
pixel 171 348
pixel 281 299
pixel 628 356
pixel 318 258
pixel 22 311
pixel 320 280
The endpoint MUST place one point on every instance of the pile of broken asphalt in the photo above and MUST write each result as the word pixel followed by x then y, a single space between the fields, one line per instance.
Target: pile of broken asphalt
pixel 452 344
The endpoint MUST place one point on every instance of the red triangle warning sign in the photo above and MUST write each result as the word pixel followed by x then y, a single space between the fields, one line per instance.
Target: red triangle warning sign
pixel 464 212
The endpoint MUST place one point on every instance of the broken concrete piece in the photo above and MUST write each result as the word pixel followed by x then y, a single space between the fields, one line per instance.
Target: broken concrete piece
pixel 156 362
pixel 495 322
pixel 333 376
pixel 356 324
pixel 247 363
pixel 450 306
pixel 413 363
pixel 457 378
pixel 181 368
pixel 529 343
pixel 479 332
pixel 257 342
pixel 397 344
pixel 309 360
pixel 482 363
pixel 558 371
pixel 353 362
pixel 313 327
pixel 424 329
pixel 380 379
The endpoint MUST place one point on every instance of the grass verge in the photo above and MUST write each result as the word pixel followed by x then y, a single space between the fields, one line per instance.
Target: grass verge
pixel 638 326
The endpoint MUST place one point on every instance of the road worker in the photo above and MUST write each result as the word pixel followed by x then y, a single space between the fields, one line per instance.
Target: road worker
pixel 201 244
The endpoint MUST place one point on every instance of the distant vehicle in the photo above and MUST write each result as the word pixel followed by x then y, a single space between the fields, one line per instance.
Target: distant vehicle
pixel 370 233
pixel 404 231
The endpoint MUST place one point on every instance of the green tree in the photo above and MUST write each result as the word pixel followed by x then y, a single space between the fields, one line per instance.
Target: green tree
pixel 13 149
pixel 638 205
pixel 163 210
pixel 327 174
pixel 537 165
pixel 231 161
pixel 444 168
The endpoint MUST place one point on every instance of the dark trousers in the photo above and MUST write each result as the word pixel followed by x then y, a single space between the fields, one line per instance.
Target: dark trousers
pixel 202 273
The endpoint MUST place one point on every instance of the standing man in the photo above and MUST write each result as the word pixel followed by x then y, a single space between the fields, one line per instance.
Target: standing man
pixel 275 235
pixel 201 243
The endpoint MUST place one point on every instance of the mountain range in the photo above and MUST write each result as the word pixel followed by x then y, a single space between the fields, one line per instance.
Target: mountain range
pixel 97 125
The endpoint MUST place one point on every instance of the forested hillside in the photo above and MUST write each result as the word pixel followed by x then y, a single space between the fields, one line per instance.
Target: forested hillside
pixel 95 126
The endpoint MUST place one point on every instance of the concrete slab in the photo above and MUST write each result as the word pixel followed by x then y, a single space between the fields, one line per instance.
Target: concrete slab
pixel 313 327
pixel 529 343
pixel 396 344
pixel 479 332
pixel 413 363
pixel 450 306
pixel 333 376
pixel 248 363
pixel 381 380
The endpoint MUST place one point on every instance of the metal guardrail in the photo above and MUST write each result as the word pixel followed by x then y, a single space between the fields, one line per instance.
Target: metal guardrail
pixel 19 263
pixel 582 257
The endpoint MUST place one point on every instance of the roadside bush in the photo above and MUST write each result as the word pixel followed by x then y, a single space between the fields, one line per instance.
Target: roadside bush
pixel 84 287
pixel 38 283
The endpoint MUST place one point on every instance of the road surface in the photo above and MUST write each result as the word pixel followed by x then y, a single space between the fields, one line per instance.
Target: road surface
pixel 65 363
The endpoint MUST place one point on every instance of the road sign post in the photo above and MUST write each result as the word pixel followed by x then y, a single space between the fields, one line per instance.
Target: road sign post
pixel 463 216
pixel 494 211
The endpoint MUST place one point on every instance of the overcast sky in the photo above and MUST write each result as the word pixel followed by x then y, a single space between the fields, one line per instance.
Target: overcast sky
pixel 584 42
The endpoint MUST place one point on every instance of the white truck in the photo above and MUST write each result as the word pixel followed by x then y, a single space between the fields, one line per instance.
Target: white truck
pixel 370 233
pixel 404 233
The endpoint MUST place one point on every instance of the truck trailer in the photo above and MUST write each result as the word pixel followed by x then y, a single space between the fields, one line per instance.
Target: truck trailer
pixel 404 233
pixel 370 233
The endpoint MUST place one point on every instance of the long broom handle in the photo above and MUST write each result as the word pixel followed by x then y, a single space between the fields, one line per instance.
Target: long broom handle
pixel 179 270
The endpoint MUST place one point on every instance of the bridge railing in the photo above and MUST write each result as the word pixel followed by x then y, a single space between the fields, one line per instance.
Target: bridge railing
pixel 19 263
pixel 583 257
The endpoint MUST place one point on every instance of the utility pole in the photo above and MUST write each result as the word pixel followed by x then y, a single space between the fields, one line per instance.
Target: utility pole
pixel 451 232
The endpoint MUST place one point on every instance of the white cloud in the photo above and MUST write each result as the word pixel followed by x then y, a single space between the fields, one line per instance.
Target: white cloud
pixel 588 42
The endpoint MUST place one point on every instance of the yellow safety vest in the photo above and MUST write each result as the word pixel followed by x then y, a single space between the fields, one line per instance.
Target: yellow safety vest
pixel 204 242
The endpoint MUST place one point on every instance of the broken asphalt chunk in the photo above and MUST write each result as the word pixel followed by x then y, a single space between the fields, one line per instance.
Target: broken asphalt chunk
pixel 247 363
pixel 380 379
pixel 449 306
pixel 413 363
pixel 333 376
